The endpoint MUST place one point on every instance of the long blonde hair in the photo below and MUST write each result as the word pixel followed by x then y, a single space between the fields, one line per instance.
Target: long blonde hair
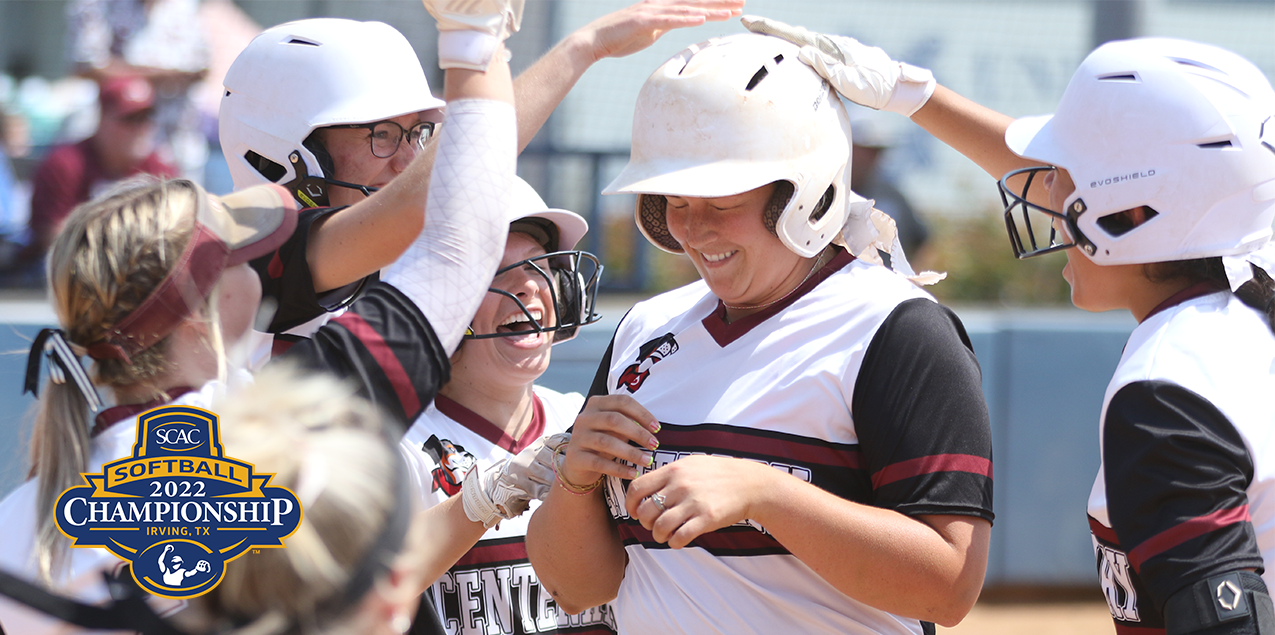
pixel 331 449
pixel 109 255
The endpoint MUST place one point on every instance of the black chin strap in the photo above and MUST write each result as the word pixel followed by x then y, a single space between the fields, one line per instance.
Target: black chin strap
pixel 312 191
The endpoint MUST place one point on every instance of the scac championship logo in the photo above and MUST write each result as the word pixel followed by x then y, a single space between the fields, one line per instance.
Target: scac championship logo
pixel 178 509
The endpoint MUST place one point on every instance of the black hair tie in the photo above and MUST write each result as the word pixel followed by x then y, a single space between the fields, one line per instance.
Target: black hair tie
pixel 63 365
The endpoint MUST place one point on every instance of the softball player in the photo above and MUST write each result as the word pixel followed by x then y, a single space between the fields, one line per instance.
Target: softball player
pixel 491 409
pixel 802 439
pixel 336 109
pixel 156 328
pixel 1160 185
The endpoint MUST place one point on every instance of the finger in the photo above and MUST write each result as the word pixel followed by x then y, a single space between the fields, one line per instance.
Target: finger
pixel 626 406
pixel 587 466
pixel 642 487
pixel 795 34
pixel 607 429
pixel 670 521
pixel 685 532
pixel 609 448
pixel 645 510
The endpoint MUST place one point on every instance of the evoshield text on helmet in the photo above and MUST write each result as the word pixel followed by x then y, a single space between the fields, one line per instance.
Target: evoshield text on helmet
pixel 1182 129
pixel 300 76
pixel 572 276
pixel 731 115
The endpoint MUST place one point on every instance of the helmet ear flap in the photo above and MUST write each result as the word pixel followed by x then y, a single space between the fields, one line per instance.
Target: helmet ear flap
pixel 326 164
pixel 653 222
pixel 775 206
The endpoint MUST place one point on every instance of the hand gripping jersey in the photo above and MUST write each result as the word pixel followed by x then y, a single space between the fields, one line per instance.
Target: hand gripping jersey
pixel 859 383
pixel 1185 488
pixel 492 589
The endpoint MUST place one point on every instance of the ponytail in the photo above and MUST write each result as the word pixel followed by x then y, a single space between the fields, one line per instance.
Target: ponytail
pixel 59 453
pixel 1258 293
pixel 107 258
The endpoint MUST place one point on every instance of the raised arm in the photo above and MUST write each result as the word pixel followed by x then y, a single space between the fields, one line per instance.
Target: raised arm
pixel 395 340
pixel 867 76
pixel 353 243
pixel 448 267
pixel 540 88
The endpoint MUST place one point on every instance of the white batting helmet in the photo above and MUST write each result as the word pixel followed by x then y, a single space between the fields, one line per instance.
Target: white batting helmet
pixel 307 74
pixel 731 115
pixel 1184 128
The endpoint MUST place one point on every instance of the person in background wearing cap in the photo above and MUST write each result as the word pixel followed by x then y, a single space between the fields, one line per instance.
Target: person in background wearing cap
pixel 333 143
pixel 491 409
pixel 1156 177
pixel 123 145
pixel 163 41
pixel 151 282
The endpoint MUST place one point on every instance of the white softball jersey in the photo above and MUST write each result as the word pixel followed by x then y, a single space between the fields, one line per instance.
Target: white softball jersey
pixel 859 383
pixel 492 589
pixel 1188 456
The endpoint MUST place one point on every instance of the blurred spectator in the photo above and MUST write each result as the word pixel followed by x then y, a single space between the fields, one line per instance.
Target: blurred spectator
pixel 161 40
pixel 122 146
pixel 14 236
pixel 872 139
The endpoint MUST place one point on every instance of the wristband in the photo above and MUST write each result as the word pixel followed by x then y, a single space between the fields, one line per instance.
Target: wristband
pixel 1238 597
pixel 478 506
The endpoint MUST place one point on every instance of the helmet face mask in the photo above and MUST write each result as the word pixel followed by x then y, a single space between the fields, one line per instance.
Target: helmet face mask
pixel 570 275
pixel 1171 127
pixel 1024 219
pixel 733 114
pixel 572 279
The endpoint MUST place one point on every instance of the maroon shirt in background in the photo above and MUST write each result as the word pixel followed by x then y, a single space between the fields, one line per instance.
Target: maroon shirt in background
pixel 71 174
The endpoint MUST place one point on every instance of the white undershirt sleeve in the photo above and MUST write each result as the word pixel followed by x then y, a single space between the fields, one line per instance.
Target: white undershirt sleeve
pixel 447 270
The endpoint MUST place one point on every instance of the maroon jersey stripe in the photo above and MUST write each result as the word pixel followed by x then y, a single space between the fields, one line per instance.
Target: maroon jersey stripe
pixel 486 554
pixel 1103 533
pixel 739 442
pixel 727 541
pixel 384 357
pixel 930 465
pixel 1185 531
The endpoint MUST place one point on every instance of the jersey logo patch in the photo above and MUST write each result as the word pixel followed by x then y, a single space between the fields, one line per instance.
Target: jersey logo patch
pixel 650 353
pixel 453 464
pixel 178 509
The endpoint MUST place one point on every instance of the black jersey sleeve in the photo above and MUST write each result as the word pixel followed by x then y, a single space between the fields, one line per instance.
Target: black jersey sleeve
pixel 599 385
pixel 920 415
pixel 1176 473
pixel 386 346
pixel 286 282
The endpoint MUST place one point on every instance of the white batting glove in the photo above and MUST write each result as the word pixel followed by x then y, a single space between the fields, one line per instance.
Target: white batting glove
pixel 471 31
pixel 505 489
pixel 863 74
pixel 533 467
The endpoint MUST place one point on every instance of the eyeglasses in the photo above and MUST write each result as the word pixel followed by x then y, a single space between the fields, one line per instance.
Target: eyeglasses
pixel 387 135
